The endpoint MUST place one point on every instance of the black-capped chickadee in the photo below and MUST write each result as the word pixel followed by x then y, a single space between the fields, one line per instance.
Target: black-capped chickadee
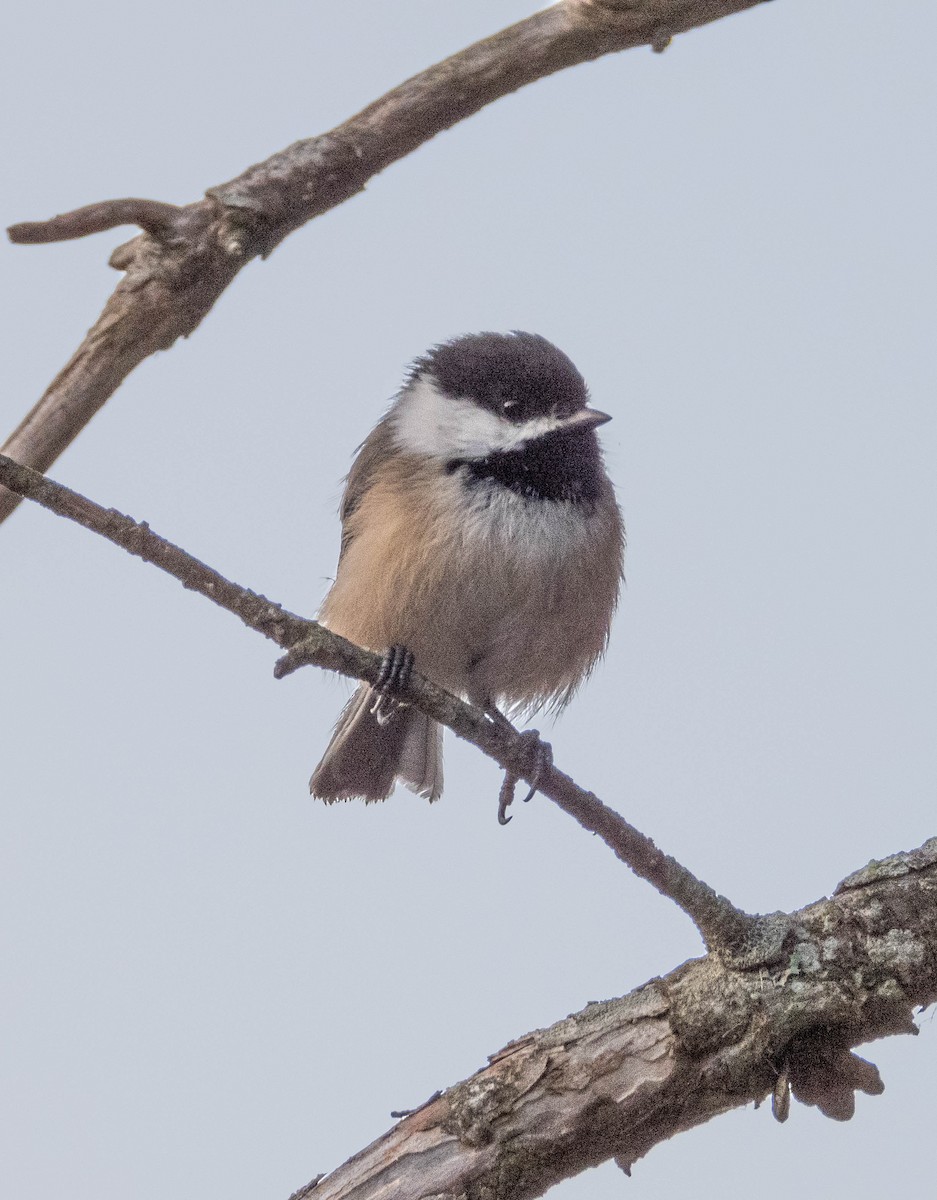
pixel 481 532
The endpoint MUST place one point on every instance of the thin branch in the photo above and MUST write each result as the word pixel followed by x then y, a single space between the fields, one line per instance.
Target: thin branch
pixel 153 216
pixel 742 938
pixel 171 282
pixel 623 1075
pixel 737 934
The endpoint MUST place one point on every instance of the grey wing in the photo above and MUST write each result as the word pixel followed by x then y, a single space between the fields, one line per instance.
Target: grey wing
pixel 371 453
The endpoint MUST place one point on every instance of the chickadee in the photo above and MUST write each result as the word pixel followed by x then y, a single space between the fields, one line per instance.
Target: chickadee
pixel 481 532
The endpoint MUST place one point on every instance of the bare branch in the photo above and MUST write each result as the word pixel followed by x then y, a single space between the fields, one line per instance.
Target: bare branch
pixel 153 216
pixel 743 939
pixel 623 1075
pixel 172 282
pixel 619 1077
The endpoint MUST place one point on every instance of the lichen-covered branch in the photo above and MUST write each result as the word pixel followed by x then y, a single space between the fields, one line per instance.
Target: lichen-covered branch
pixel 736 934
pixel 178 268
pixel 617 1078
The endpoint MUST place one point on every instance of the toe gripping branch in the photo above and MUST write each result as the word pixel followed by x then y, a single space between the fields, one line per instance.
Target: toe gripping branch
pixel 530 759
pixel 392 678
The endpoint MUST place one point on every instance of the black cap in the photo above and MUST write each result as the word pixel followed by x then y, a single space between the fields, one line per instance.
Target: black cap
pixel 517 375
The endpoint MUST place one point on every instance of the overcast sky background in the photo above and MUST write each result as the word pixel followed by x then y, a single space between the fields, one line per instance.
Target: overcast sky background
pixel 213 987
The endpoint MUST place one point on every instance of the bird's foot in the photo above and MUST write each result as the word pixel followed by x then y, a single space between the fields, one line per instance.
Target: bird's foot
pixel 530 760
pixel 392 678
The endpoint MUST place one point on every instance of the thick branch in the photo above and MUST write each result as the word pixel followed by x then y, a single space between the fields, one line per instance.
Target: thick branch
pixel 188 256
pixel 617 1078
pixel 736 934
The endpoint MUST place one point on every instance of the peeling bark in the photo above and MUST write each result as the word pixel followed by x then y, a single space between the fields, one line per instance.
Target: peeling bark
pixel 617 1078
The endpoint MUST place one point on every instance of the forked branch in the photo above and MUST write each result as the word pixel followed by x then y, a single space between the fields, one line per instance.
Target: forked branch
pixel 187 256
pixel 152 216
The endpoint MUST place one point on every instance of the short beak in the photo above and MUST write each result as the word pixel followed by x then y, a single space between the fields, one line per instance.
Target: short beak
pixel 586 418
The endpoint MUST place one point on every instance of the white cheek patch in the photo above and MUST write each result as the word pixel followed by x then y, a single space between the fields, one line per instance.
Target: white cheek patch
pixel 427 422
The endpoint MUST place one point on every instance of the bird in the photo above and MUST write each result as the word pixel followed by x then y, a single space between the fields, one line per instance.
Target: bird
pixel 482 544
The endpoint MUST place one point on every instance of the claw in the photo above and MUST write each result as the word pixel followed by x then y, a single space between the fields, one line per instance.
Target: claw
pixel 505 798
pixel 531 759
pixel 541 754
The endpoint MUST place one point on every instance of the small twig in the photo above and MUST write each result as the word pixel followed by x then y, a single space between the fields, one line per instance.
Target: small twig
pixel 152 216
pixel 308 1188
pixel 745 940
pixel 399 1113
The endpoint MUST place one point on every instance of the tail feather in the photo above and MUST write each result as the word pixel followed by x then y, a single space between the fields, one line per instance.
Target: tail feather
pixel 420 762
pixel 364 758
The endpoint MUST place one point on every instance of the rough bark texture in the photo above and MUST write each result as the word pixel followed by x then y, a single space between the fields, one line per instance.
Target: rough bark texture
pixel 178 268
pixel 621 1076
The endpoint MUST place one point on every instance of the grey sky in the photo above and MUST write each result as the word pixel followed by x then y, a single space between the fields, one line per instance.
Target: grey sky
pixel 213 987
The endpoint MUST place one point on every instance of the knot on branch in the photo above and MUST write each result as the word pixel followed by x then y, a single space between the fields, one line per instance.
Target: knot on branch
pixel 750 942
